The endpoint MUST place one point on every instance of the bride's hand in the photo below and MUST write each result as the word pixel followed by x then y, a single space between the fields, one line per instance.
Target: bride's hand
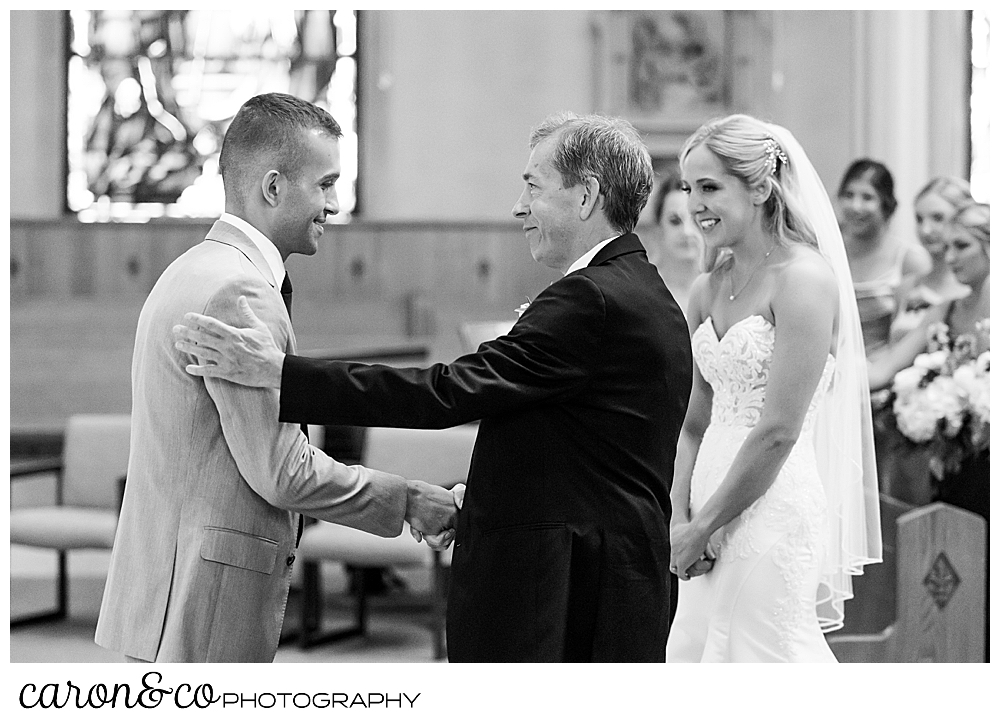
pixel 688 542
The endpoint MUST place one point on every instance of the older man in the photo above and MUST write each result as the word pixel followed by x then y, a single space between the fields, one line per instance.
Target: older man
pixel 562 544
pixel 216 485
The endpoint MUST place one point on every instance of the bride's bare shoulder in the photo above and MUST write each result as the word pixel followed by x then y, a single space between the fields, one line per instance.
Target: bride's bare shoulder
pixel 806 277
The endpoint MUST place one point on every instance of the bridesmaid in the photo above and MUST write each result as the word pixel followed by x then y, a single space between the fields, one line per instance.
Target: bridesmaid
pixel 934 206
pixel 676 251
pixel 881 265
pixel 967 239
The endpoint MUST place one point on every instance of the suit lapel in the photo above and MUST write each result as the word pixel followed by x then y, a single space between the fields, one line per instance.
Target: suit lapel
pixel 232 236
pixel 225 233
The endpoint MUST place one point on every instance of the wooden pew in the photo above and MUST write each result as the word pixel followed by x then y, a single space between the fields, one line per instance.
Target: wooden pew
pixel 940 593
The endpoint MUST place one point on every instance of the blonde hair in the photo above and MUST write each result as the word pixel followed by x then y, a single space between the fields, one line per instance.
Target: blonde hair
pixel 749 152
pixel 955 191
pixel 974 219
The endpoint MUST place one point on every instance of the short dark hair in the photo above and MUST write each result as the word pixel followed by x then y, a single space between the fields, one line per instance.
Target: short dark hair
pixel 605 148
pixel 878 176
pixel 268 129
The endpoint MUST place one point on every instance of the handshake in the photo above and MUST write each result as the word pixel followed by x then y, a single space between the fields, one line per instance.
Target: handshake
pixel 431 512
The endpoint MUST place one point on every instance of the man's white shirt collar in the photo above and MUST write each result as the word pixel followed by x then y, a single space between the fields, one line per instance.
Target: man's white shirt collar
pixel 584 261
pixel 267 249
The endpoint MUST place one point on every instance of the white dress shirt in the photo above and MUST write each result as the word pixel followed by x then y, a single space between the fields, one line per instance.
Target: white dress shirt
pixel 584 261
pixel 269 251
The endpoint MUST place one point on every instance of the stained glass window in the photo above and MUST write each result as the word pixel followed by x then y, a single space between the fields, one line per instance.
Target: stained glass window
pixel 151 93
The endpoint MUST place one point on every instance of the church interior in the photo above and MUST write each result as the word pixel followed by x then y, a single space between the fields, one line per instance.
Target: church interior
pixel 116 119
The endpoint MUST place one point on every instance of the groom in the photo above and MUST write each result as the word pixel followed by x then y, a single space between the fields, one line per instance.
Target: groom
pixel 562 544
pixel 217 487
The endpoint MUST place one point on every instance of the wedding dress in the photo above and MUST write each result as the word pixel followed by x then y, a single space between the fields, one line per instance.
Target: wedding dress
pixel 759 601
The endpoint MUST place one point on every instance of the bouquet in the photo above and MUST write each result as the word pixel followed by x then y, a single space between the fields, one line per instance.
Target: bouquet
pixel 942 402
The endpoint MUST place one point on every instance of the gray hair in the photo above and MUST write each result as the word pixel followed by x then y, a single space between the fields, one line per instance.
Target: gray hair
pixel 607 149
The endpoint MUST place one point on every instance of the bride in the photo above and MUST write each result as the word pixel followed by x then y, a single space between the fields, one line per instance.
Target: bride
pixel 775 503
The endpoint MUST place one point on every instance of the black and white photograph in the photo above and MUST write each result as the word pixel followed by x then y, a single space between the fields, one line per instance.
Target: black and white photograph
pixel 652 335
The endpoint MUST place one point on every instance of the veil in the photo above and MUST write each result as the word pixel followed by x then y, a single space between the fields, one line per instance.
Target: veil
pixel 845 448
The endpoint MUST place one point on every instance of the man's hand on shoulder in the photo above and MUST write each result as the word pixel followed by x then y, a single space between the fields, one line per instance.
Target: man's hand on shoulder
pixel 245 355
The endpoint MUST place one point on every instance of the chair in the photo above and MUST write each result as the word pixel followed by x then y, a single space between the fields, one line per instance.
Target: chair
pixel 90 480
pixel 437 456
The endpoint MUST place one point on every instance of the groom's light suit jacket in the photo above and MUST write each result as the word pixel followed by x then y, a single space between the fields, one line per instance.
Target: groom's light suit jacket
pixel 562 546
pixel 209 524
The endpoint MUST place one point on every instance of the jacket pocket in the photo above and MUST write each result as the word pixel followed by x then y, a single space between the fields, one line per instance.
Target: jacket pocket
pixel 239 549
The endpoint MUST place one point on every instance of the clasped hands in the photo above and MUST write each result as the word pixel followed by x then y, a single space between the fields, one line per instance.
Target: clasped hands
pixel 692 550
pixel 431 512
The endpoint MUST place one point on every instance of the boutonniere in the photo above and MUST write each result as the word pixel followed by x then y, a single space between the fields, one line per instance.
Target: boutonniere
pixel 523 307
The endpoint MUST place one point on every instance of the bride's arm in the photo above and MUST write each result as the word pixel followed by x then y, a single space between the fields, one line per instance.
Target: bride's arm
pixel 695 423
pixel 696 419
pixel 804 308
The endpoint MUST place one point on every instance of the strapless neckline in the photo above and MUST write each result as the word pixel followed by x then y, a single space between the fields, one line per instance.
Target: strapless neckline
pixel 711 324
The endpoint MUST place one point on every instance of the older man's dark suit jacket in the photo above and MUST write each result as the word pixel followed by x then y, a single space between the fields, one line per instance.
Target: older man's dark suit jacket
pixel 562 545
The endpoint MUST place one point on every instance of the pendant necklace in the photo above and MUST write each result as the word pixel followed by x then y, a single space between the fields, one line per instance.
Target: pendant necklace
pixel 734 294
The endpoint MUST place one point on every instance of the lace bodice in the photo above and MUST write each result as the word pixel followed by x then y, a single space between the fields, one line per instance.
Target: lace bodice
pixel 786 523
pixel 737 367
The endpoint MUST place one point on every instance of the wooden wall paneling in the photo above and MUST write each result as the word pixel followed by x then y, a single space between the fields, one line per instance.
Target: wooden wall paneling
pixel 81 247
pixel 454 255
pixel 50 260
pixel 119 255
pixel 314 277
pixel 409 278
pixel 491 272
pixel 406 260
pixel 19 288
pixel 357 265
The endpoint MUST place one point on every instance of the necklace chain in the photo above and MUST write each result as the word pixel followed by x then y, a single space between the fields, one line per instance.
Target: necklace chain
pixel 734 294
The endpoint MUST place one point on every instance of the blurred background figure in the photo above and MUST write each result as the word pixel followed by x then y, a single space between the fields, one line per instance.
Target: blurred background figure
pixel 934 206
pixel 964 319
pixel 677 249
pixel 881 264
pixel 960 328
pixel 957 331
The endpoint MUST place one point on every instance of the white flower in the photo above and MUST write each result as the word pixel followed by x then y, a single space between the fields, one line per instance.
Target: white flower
pixel 979 399
pixel 907 381
pixel 915 419
pixel 983 362
pixel 967 378
pixel 974 379
pixel 931 361
pixel 522 308
pixel 948 401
